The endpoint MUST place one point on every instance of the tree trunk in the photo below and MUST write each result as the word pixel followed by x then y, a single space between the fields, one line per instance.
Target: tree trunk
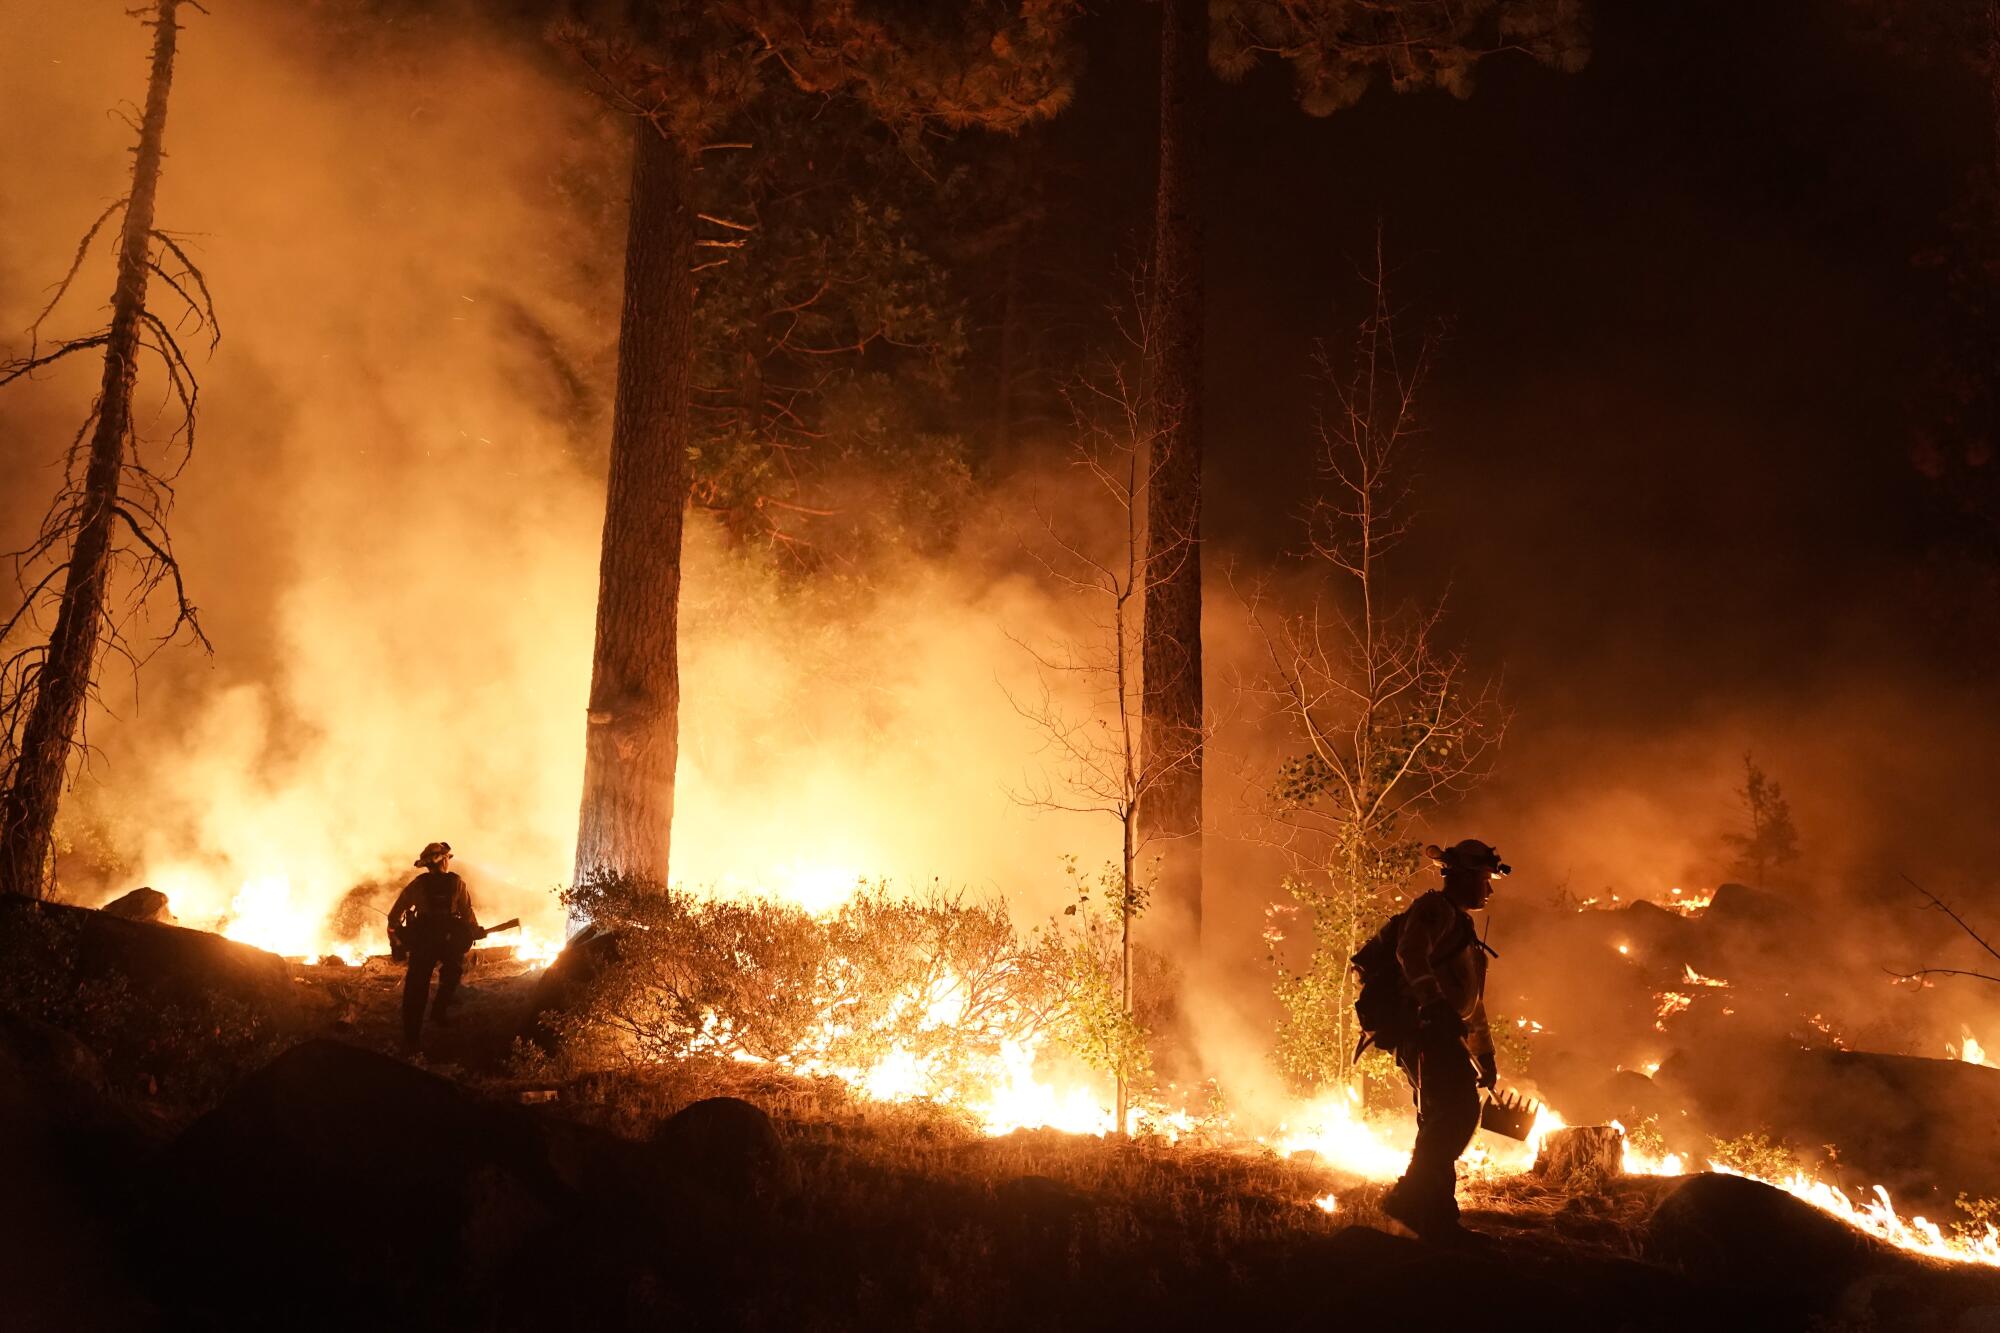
pixel 1010 306
pixel 28 810
pixel 1171 656
pixel 1125 873
pixel 632 739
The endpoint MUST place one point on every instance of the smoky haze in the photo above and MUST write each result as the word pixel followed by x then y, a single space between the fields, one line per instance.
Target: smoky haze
pixel 391 520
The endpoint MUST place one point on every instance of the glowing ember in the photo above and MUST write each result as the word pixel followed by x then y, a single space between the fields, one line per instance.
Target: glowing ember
pixel 1327 1203
pixel 1697 979
pixel 1671 1003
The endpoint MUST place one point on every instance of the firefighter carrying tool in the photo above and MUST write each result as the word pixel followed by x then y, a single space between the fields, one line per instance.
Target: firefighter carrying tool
pixel 432 926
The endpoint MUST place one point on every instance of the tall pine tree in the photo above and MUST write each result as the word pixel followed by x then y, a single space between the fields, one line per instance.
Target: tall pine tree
pixel 684 71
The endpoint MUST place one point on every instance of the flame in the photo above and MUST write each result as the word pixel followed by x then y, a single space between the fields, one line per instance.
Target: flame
pixel 1330 1127
pixel 1688 904
pixel 1015 1092
pixel 267 912
pixel 1970 1050
pixel 1876 1215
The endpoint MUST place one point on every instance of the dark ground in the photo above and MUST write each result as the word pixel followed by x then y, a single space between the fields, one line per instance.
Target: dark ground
pixel 302 1174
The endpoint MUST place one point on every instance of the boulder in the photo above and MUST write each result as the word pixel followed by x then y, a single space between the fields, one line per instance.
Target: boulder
pixel 1729 1231
pixel 70 1159
pixel 163 965
pixel 1628 1097
pixel 1582 1153
pixel 1741 905
pixel 1925 1129
pixel 726 1146
pixel 566 982
pixel 141 904
pixel 410 1194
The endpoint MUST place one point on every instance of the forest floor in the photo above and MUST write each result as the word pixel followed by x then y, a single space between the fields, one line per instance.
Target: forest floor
pixel 884 1216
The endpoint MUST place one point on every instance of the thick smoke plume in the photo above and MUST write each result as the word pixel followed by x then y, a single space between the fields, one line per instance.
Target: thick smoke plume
pixel 391 520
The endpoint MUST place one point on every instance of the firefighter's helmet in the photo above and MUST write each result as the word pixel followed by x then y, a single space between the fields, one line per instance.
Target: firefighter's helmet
pixel 1471 854
pixel 432 851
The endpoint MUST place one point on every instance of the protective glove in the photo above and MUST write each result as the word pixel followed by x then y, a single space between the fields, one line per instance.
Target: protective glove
pixel 1437 1016
pixel 1489 1071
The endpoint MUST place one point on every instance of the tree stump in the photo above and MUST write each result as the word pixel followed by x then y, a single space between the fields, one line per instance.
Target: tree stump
pixel 1589 1151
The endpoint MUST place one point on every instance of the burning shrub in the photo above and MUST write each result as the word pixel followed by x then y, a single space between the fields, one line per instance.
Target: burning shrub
pixel 934 996
pixel 692 975
pixel 1079 969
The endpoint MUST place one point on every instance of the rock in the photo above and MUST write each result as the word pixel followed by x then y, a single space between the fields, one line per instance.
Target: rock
pixel 566 982
pixel 141 905
pixel 1582 1153
pixel 1628 1097
pixel 163 965
pixel 1730 1231
pixel 70 1159
pixel 725 1145
pixel 410 1194
pixel 1739 904
pixel 48 1059
pixel 1922 1128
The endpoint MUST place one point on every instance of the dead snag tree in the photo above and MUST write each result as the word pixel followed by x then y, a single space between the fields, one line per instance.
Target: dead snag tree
pixel 110 515
pixel 1335 48
pixel 685 73
pixel 1098 759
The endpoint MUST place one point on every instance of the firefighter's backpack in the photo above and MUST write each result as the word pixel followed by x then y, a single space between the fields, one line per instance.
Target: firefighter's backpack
pixel 1383 1007
pixel 436 920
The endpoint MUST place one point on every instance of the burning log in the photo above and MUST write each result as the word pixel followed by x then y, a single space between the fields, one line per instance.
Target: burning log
pixel 1583 1153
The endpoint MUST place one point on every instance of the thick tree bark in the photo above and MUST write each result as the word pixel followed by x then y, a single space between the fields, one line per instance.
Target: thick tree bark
pixel 28 810
pixel 632 740
pixel 1171 809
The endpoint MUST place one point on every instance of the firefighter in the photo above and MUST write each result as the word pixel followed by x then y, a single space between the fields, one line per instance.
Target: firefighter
pixel 432 924
pixel 1450 1057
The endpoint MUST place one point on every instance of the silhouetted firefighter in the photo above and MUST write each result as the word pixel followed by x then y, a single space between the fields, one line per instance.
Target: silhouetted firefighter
pixel 432 926
pixel 1423 997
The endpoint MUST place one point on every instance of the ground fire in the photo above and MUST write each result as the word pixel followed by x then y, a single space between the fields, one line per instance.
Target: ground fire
pixel 856 664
